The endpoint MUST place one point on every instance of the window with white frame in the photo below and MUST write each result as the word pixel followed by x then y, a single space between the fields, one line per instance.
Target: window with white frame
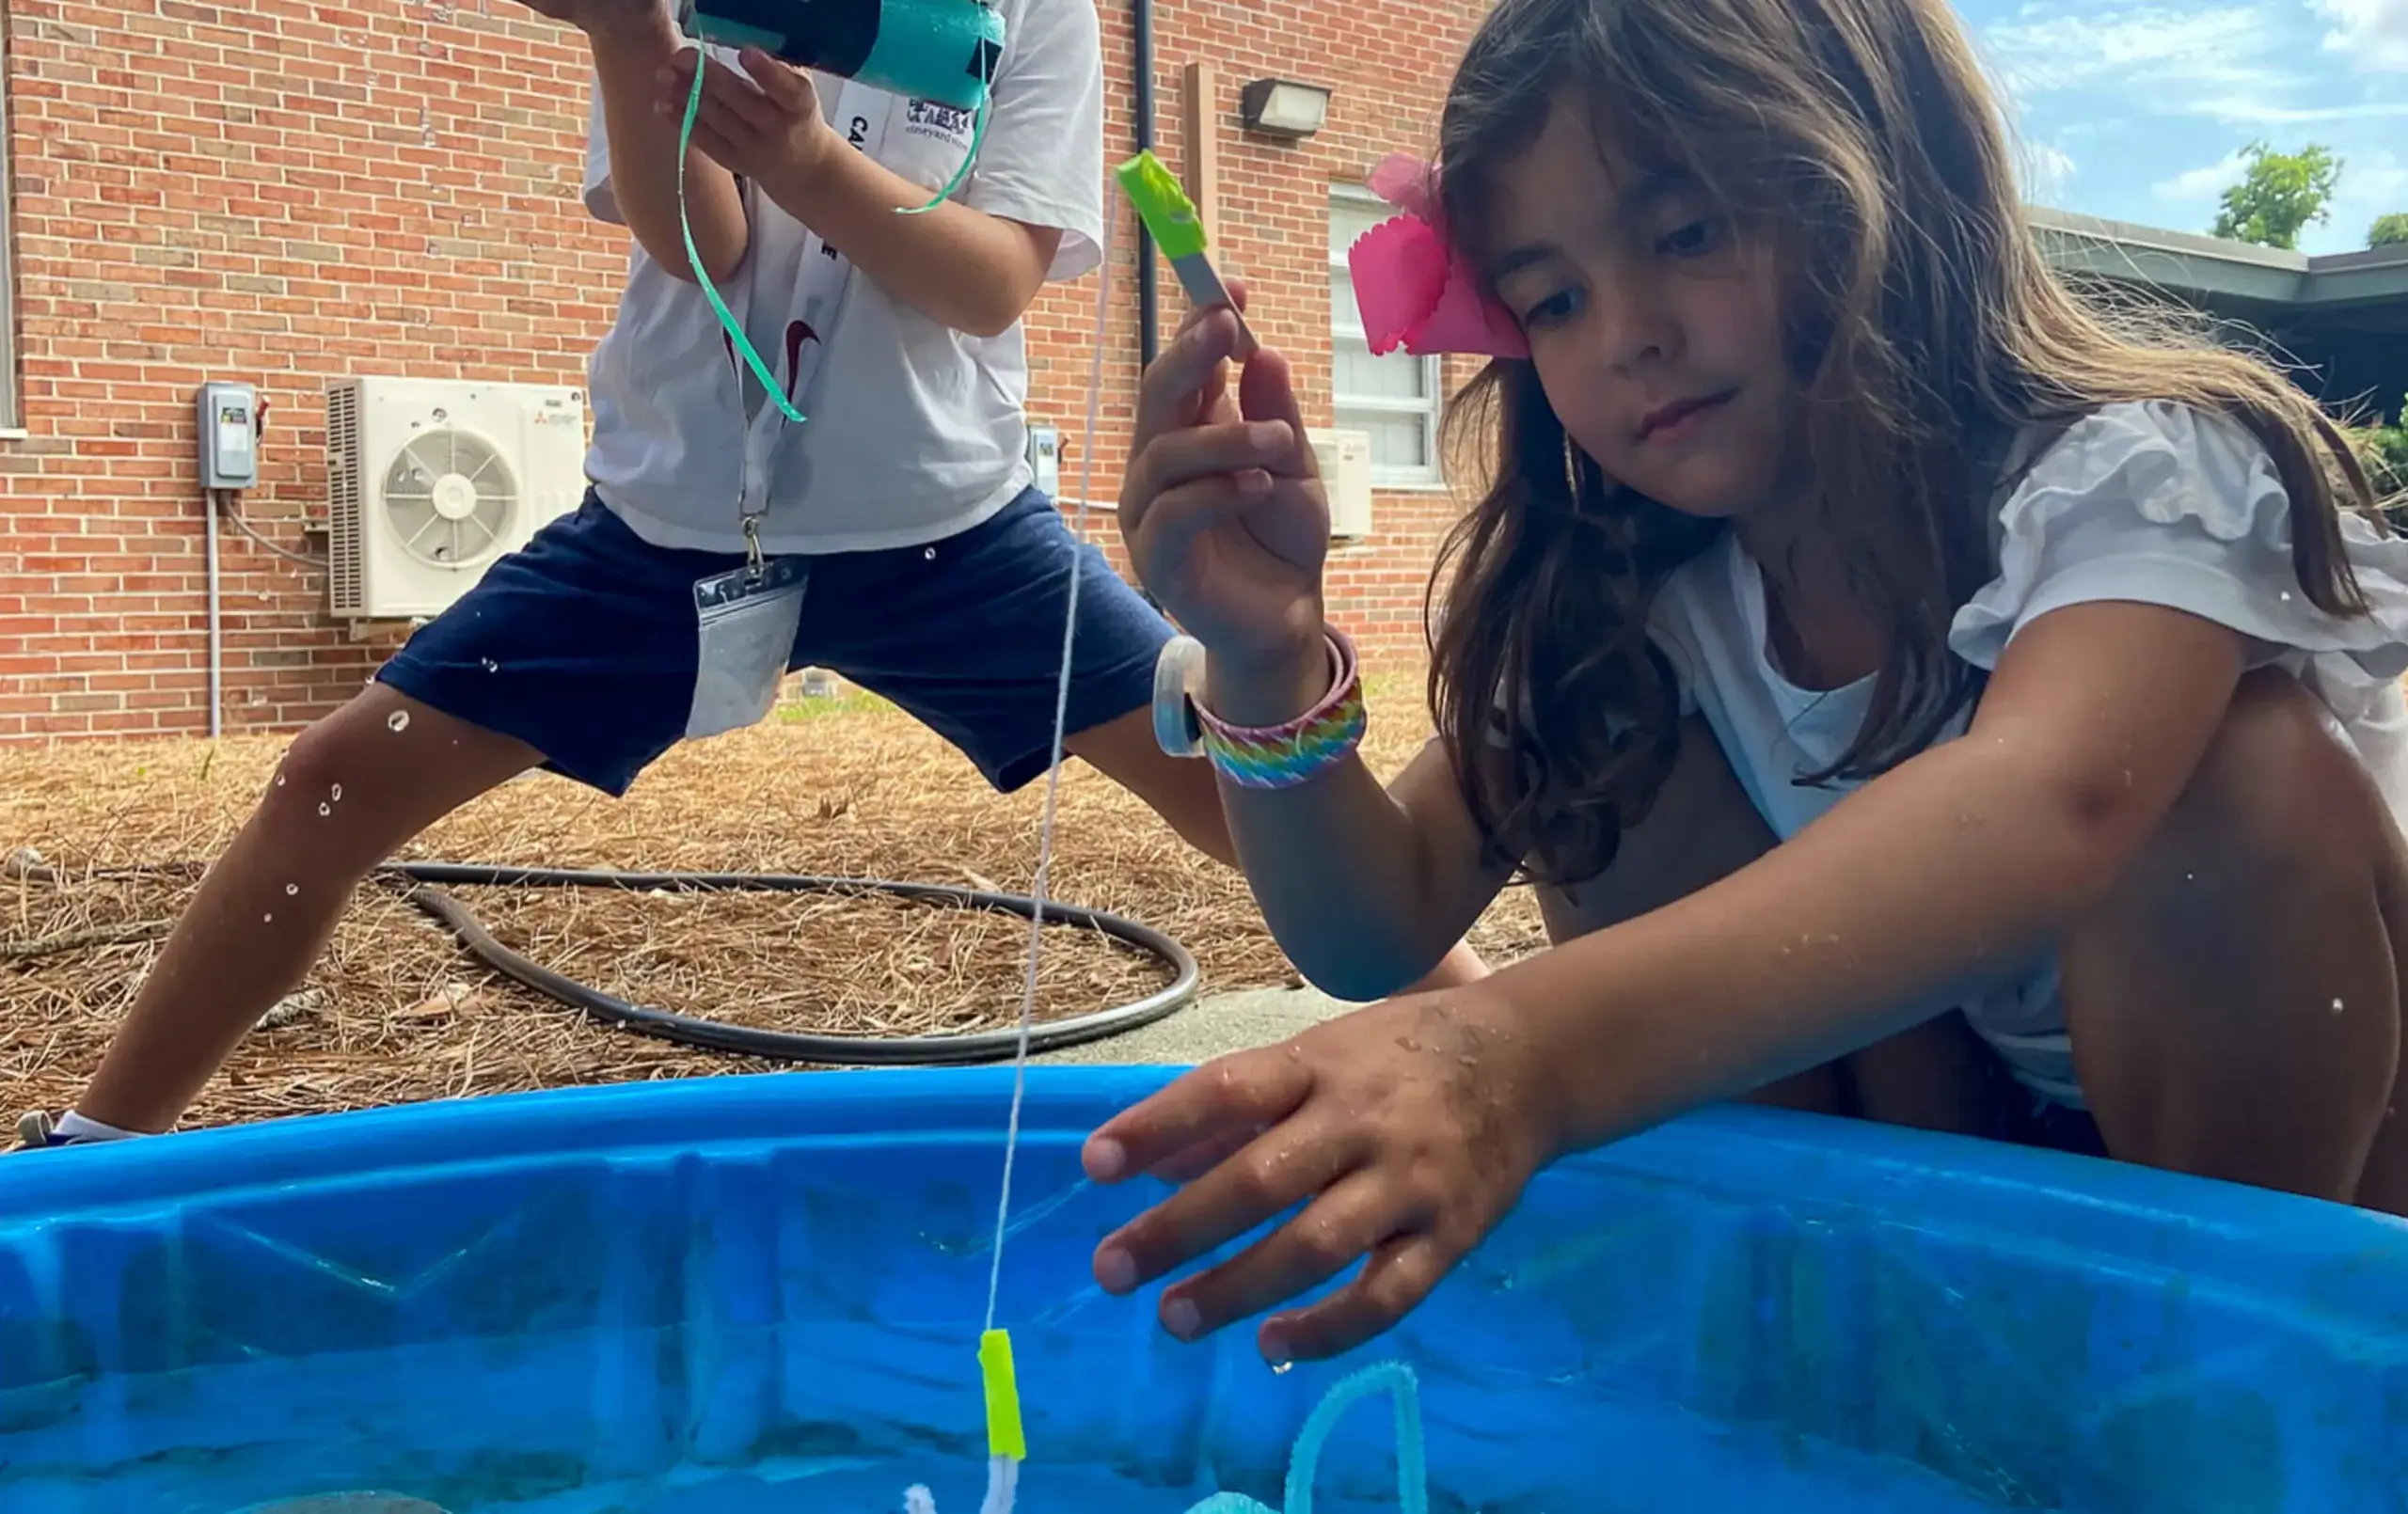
pixel 1394 399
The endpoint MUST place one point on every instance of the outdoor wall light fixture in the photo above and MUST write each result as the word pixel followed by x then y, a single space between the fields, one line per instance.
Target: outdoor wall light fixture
pixel 1282 107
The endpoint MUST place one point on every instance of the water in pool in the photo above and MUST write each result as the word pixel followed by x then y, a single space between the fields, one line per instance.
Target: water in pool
pixel 868 1413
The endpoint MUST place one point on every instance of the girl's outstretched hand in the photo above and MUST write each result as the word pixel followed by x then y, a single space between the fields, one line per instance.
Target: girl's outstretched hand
pixel 1222 505
pixel 1406 1130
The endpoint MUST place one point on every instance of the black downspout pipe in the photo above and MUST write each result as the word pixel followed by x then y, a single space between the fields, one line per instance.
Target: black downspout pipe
pixel 1142 68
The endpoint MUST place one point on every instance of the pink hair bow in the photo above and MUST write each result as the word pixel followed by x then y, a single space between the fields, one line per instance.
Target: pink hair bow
pixel 1413 288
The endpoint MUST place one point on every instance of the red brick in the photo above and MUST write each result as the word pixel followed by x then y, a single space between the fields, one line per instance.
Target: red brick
pixel 189 205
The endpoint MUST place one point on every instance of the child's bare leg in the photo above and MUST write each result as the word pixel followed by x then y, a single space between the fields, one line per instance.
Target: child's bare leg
pixel 2235 1004
pixel 1936 1076
pixel 268 907
pixel 2384 1183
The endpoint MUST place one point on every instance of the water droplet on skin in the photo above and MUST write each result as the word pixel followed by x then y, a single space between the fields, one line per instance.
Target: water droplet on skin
pixel 291 890
pixel 398 721
pixel 279 780
pixel 1469 1059
pixel 324 810
pixel 2337 1006
pixel 267 919
pixel 1408 1043
pixel 337 794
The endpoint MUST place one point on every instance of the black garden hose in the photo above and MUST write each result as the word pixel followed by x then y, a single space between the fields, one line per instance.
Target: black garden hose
pixel 425 891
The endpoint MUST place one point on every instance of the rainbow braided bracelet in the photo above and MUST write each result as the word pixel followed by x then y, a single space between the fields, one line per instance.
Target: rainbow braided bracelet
pixel 1282 756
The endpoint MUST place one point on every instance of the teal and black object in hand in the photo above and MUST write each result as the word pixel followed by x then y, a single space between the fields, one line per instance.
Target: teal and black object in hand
pixel 943 51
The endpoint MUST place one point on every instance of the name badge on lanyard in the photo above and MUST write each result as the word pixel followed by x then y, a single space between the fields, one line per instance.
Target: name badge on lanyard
pixel 746 618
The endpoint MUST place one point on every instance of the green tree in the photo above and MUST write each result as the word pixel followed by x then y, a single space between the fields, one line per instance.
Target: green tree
pixel 2390 461
pixel 2384 449
pixel 2279 195
pixel 2390 231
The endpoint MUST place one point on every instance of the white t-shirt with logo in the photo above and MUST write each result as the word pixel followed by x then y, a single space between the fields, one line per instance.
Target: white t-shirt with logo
pixel 915 431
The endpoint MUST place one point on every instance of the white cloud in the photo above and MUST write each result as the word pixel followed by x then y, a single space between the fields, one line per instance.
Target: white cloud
pixel 2373 32
pixel 2047 172
pixel 2171 52
pixel 2201 183
pixel 2373 184
pixel 2261 113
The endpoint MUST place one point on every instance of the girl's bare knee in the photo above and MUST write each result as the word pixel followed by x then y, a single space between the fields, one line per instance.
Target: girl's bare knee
pixel 2235 1002
pixel 2278 793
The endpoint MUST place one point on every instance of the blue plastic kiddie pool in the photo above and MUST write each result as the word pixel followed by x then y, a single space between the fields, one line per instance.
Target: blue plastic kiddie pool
pixel 765 1294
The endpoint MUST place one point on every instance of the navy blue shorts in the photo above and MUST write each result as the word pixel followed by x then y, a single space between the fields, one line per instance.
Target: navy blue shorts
pixel 583 644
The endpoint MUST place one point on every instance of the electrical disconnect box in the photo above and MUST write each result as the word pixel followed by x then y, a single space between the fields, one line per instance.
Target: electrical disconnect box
pixel 230 435
pixel 1045 459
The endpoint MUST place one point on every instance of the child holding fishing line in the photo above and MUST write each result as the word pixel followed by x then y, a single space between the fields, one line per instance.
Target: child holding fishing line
pixel 892 535
pixel 1913 695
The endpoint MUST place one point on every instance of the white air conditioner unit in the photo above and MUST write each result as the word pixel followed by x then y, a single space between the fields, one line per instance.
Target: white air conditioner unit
pixel 1344 458
pixel 429 481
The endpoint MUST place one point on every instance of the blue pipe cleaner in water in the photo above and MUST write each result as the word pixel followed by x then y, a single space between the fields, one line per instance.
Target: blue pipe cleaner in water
pixel 1412 1478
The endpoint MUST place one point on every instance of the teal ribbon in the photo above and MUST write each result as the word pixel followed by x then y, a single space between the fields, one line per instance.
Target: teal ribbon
pixel 727 320
pixel 977 138
pixel 1412 1478
pixel 695 258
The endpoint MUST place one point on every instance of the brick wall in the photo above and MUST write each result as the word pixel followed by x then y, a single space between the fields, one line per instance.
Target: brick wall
pixel 286 192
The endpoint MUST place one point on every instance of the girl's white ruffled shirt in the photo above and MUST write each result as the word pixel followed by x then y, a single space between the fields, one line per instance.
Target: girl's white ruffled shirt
pixel 2153 502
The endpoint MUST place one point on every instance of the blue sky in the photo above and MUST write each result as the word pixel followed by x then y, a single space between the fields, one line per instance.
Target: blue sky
pixel 2139 110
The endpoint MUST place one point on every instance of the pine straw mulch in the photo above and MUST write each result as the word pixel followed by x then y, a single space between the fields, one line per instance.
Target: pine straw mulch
pixel 398 1012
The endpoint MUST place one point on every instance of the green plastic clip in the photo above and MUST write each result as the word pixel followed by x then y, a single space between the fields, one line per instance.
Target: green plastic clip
pixel 1167 212
pixel 1004 1436
pixel 1170 215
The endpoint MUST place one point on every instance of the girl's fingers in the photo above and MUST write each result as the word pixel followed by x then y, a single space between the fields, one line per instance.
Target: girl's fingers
pixel 1278 1170
pixel 1250 1091
pixel 1216 403
pixel 1166 398
pixel 1197 452
pixel 1179 479
pixel 1364 1210
pixel 1166 544
pixel 1402 1273
pixel 1193 1162
pixel 1197 312
pixel 1267 396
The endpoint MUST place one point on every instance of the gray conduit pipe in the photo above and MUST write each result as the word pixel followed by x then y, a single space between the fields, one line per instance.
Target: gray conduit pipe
pixel 216 649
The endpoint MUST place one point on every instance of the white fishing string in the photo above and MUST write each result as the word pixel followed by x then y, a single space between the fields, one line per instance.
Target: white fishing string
pixel 1053 769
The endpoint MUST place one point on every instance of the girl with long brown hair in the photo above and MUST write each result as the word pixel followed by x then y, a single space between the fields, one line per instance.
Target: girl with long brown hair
pixel 1914 694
